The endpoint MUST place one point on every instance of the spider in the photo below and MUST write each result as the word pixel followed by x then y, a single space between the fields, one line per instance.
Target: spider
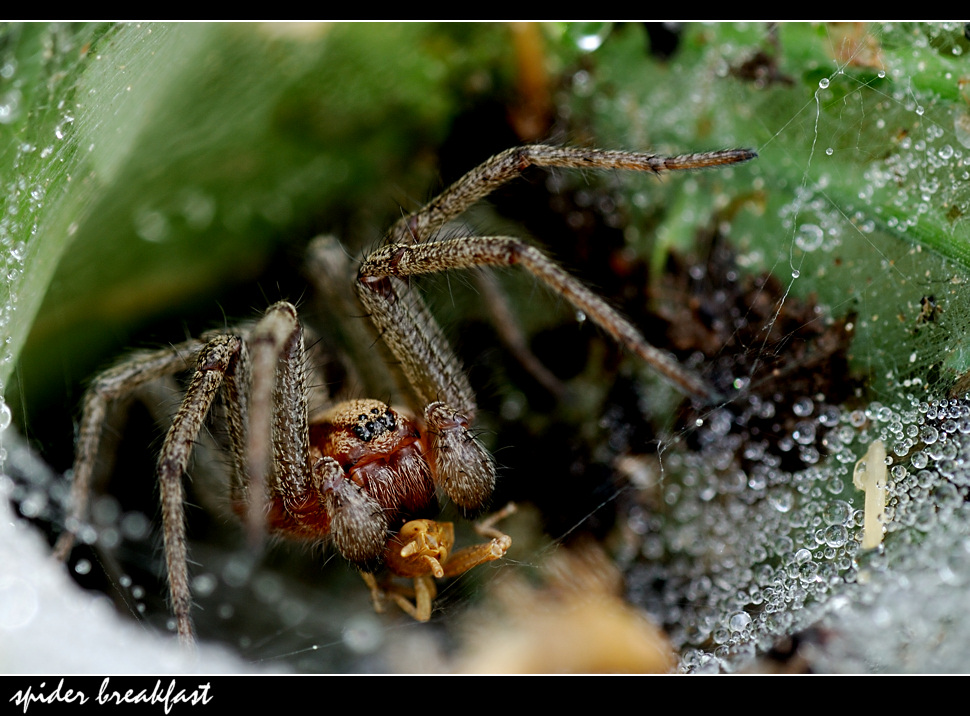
pixel 360 472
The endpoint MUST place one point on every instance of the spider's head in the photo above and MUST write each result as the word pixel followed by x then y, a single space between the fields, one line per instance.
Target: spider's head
pixel 360 431
pixel 382 451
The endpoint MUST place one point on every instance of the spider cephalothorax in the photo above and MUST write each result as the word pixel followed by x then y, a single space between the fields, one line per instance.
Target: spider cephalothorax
pixel 382 451
pixel 361 472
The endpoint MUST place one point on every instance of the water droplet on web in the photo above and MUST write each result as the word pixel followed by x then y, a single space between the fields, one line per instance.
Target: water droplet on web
pixel 804 433
pixel 823 83
pixel 803 407
pixel 809 237
pixel 781 500
pixel 10 106
pixel 961 128
pixel 739 621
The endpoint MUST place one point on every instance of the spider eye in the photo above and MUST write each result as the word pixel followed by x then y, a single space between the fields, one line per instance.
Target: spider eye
pixel 371 426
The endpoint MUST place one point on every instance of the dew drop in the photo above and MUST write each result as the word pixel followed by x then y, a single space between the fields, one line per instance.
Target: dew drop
pixel 739 621
pixel 803 407
pixel 10 103
pixel 837 512
pixel 836 535
pixel 809 237
pixel 782 500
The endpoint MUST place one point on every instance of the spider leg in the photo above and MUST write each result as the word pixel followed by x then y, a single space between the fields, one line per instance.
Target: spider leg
pixel 461 463
pixel 414 337
pixel 502 168
pixel 267 416
pixel 358 524
pixel 412 333
pixel 112 385
pixel 272 443
pixel 382 284
pixel 464 467
pixel 216 360
pixel 331 270
pixel 511 333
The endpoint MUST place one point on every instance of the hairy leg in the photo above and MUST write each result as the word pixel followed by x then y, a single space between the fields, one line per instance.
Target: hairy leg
pixel 113 384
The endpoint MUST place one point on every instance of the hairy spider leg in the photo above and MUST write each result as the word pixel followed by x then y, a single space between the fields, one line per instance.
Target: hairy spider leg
pixel 423 352
pixel 114 383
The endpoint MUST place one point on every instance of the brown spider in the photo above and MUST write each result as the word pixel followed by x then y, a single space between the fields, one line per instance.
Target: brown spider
pixel 362 470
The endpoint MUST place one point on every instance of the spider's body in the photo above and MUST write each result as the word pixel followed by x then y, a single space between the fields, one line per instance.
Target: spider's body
pixel 360 471
pixel 380 450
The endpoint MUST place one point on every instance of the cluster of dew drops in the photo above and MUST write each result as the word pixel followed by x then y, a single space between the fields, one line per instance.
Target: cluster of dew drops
pixel 734 561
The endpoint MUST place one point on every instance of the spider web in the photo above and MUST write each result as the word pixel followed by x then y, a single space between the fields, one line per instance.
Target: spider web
pixel 733 540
